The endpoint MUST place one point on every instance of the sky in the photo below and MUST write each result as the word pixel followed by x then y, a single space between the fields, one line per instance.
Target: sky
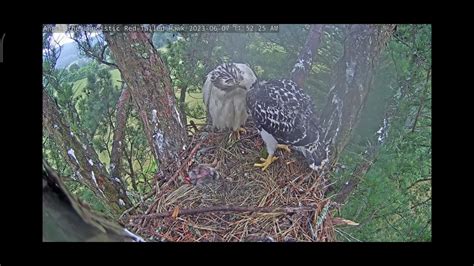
pixel 61 38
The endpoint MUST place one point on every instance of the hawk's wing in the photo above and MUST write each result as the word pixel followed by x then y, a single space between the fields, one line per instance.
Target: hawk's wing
pixel 283 110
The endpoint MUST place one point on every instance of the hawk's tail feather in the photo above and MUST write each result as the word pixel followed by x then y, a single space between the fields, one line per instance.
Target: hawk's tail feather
pixel 316 156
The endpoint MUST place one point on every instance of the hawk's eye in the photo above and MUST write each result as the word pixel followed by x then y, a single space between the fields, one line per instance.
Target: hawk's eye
pixel 241 75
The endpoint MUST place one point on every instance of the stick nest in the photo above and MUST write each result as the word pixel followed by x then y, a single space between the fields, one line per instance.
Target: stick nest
pixel 236 201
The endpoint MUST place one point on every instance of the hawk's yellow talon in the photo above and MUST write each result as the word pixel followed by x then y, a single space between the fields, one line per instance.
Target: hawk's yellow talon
pixel 266 162
pixel 238 131
pixel 284 147
pixel 243 130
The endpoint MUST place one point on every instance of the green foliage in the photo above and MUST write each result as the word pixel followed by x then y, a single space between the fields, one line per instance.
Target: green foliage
pixel 189 59
pixel 74 68
pixel 86 195
pixel 99 101
pixel 54 158
pixel 393 200
pixel 194 107
pixel 139 164
pixel 74 74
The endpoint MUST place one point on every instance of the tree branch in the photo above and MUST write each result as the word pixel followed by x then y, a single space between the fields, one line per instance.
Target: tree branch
pixel 422 101
pixel 305 58
pixel 418 181
pixel 290 209
pixel 89 51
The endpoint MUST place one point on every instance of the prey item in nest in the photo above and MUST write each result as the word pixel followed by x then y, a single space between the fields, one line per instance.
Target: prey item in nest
pixel 202 174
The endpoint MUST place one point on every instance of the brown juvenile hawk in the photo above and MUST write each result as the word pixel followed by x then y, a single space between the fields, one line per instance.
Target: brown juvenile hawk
pixel 283 114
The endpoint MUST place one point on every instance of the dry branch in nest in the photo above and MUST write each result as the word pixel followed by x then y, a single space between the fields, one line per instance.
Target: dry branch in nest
pixel 235 200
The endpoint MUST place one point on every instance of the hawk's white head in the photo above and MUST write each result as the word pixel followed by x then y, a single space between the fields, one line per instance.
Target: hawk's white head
pixel 230 76
pixel 248 78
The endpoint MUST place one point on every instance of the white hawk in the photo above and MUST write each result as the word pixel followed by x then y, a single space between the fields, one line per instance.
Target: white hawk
pixel 224 94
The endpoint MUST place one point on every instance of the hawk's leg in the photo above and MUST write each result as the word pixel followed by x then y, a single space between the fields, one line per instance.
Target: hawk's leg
pixel 266 162
pixel 284 147
pixel 238 131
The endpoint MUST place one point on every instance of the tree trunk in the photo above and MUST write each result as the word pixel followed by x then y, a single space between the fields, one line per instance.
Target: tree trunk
pixel 117 150
pixel 182 103
pixel 82 158
pixel 150 86
pixel 133 177
pixel 352 82
pixel 305 58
